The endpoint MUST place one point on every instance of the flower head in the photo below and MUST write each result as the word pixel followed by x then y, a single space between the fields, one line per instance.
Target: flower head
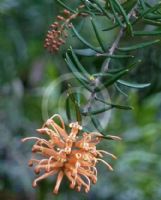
pixel 67 155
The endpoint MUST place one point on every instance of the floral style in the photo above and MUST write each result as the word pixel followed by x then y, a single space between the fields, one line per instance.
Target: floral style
pixel 71 155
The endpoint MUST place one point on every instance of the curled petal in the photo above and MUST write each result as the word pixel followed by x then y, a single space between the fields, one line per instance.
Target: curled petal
pixel 108 165
pixel 110 154
pixel 58 182
pixel 59 130
pixel 71 179
pixel 60 118
pixel 34 184
pixel 30 138
pixel 81 182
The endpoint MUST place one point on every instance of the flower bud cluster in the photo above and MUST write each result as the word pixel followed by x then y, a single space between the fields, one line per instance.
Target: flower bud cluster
pixel 58 32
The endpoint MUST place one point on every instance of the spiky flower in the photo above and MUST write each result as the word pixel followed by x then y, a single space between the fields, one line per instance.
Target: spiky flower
pixel 68 155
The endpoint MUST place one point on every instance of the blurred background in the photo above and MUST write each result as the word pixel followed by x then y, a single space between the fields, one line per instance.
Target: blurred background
pixel 26 70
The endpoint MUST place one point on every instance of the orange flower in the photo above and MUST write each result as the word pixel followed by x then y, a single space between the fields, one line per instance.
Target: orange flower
pixel 68 155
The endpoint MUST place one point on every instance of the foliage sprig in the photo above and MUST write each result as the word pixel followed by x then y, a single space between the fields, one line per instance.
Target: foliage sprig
pixel 128 20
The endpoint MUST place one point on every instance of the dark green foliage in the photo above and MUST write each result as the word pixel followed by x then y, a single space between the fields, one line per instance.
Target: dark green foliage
pixel 128 18
pixel 27 73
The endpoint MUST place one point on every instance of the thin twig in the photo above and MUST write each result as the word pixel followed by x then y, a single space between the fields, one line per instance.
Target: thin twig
pixel 105 65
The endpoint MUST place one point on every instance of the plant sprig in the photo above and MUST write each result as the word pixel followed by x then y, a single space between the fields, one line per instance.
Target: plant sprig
pixel 123 19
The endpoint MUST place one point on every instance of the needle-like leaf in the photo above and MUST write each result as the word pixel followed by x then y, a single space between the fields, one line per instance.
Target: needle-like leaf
pixel 118 20
pixel 97 124
pixel 85 52
pixel 65 6
pixel 146 33
pixel 133 85
pixel 84 41
pixel 112 80
pixel 122 11
pixel 124 107
pixel 98 35
pixel 98 111
pixel 128 5
pixel 74 101
pixel 77 74
pixel 68 109
pixel 138 46
pixel 79 65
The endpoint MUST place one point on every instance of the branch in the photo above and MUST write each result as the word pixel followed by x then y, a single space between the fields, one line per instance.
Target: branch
pixel 105 66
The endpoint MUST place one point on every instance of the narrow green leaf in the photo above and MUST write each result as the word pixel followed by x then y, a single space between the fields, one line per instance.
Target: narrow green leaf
pixel 150 6
pixel 78 96
pixel 128 5
pixel 80 25
pixel 78 76
pixel 97 124
pixel 120 90
pixel 65 6
pixel 79 65
pixel 153 16
pixel 111 80
pixel 138 46
pixel 152 22
pixel 70 93
pixel 132 65
pixel 91 7
pixel 68 113
pixel 111 27
pixel 96 112
pixel 148 11
pixel 84 41
pixel 78 114
pixel 142 3
pixel 111 72
pixel 103 10
pixel 74 69
pixel 115 105
pixel 85 52
pixel 107 75
pixel 116 56
pixel 98 35
pixel 115 14
pixel 116 71
pixel 122 107
pixel 122 11
pixel 152 9
pixel 77 109
pixel 133 85
pixel 144 33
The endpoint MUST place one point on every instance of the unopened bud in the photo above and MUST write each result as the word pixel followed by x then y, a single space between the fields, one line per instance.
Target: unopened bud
pixel 66 12
pixel 60 18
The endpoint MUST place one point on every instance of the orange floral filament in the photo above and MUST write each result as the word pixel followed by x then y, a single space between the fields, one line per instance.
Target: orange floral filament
pixel 68 155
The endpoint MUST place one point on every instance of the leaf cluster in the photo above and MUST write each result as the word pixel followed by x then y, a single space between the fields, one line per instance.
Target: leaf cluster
pixel 137 21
